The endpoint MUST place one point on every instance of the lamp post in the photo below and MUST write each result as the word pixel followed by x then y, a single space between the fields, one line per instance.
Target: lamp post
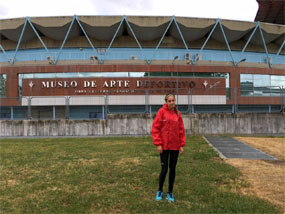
pixel 175 58
pixel 282 90
pixel 236 84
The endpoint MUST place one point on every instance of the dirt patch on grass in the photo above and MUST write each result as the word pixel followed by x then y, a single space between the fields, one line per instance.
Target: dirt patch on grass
pixel 115 143
pixel 92 161
pixel 12 182
pixel 125 161
pixel 266 178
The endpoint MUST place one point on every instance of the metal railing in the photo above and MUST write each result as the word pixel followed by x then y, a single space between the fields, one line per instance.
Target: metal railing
pixel 216 100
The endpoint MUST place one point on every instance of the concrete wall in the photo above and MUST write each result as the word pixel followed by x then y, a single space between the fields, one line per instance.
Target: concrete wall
pixel 140 124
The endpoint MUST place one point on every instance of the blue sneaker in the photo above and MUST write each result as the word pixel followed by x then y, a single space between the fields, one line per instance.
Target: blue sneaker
pixel 159 195
pixel 170 197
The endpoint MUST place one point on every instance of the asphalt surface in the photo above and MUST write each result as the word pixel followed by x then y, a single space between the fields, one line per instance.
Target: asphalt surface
pixel 228 147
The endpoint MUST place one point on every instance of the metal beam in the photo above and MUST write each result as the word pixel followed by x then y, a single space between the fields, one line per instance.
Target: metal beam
pixel 202 48
pixel 132 32
pixel 164 33
pixel 63 43
pixel 264 44
pixel 249 39
pixel 204 44
pixel 226 40
pixel 19 42
pixel 3 50
pixel 85 34
pixel 280 49
pixel 263 40
pixel 180 33
pixel 115 35
pixel 167 28
pixel 251 35
pixel 148 61
pixel 218 22
pixel 37 34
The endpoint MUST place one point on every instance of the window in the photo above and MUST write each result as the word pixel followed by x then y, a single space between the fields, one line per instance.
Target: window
pixel 114 74
pixel 246 84
pixel 27 76
pixel 160 74
pixel 47 75
pixel 65 75
pixel 261 85
pixel 246 77
pixel 95 115
pixel 261 80
pixel 221 75
pixel 185 74
pixel 138 74
pixel 204 74
pixel 277 80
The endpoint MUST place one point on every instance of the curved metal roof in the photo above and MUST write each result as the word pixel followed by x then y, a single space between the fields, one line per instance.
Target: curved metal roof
pixel 271 11
pixel 148 30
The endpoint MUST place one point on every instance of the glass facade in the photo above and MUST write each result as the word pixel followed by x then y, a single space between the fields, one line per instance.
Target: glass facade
pixel 121 74
pixel 261 85
pixel 14 113
pixel 3 79
pixel 85 112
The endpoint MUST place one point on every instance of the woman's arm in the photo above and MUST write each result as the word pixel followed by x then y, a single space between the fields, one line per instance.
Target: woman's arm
pixel 182 138
pixel 156 129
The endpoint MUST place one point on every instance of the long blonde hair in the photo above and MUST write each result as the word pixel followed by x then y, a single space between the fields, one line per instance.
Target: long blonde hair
pixel 166 98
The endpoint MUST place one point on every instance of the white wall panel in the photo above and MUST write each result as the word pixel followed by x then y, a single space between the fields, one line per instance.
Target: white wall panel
pixel 44 101
pixel 87 100
pixel 126 100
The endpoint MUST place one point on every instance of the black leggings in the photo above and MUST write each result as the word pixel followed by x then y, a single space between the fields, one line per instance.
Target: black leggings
pixel 173 154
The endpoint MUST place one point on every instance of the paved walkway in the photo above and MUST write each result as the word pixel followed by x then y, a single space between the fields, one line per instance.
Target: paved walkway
pixel 228 147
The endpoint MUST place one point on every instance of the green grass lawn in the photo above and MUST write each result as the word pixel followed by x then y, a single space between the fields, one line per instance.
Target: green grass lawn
pixel 116 175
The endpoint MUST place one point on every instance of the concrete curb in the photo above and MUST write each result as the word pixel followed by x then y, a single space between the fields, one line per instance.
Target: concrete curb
pixel 219 153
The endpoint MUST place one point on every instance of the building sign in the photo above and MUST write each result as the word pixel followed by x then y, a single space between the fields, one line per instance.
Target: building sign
pixel 100 86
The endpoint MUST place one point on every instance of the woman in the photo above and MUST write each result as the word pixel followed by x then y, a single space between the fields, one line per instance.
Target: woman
pixel 168 136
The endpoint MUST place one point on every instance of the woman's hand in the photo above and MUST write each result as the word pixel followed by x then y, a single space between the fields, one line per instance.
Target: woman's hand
pixel 159 149
pixel 181 150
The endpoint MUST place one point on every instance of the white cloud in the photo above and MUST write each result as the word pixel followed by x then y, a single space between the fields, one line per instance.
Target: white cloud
pixel 224 9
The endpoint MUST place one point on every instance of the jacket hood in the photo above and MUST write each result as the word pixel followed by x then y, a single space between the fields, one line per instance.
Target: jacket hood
pixel 165 107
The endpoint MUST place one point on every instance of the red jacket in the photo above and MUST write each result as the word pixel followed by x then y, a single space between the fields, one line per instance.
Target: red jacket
pixel 168 129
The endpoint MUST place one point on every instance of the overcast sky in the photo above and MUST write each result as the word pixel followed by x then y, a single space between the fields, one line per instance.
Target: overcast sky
pixel 225 9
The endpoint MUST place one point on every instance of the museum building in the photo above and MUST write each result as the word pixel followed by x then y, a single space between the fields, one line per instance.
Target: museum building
pixel 86 67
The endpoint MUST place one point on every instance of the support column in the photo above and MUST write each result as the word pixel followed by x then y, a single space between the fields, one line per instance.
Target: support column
pixel 146 101
pixel 67 107
pixel 53 112
pixel 190 104
pixel 29 108
pixel 103 112
pixel 12 113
